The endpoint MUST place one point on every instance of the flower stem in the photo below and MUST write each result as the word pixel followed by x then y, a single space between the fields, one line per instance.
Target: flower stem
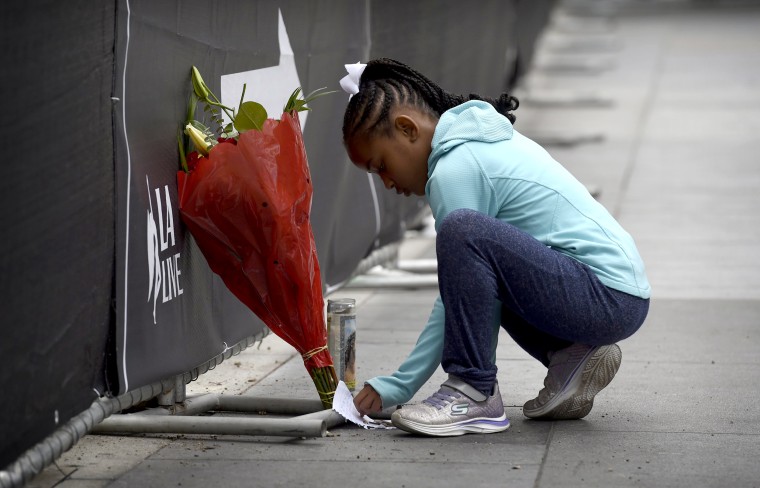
pixel 227 110
pixel 325 381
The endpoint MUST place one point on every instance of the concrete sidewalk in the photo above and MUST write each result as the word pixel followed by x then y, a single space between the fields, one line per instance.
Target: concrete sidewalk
pixel 657 106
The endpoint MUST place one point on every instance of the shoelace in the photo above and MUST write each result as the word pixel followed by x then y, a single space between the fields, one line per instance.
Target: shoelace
pixel 441 398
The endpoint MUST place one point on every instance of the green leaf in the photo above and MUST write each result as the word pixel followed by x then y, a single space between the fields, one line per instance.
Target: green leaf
pixel 251 116
pixel 229 130
pixel 299 104
pixel 292 100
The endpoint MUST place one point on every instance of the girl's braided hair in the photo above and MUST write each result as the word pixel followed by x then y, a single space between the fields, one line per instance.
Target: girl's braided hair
pixel 386 82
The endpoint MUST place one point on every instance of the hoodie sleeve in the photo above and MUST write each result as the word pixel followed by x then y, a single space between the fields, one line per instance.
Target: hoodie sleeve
pixel 424 359
pixel 422 362
pixel 459 181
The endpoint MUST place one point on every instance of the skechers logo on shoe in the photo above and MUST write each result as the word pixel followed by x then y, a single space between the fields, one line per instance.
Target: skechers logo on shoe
pixel 460 409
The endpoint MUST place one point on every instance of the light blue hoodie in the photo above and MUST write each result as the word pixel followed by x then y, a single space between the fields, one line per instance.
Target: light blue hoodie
pixel 478 161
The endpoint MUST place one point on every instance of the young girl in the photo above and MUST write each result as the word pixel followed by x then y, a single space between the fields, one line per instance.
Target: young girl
pixel 520 244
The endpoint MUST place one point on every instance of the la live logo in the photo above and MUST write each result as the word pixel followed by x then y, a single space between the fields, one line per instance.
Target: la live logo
pixel 163 271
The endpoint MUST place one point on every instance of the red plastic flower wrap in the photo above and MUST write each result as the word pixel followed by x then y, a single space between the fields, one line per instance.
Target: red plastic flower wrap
pixel 247 204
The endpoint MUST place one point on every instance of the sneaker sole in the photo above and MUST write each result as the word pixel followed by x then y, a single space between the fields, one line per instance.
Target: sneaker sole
pixel 577 397
pixel 471 426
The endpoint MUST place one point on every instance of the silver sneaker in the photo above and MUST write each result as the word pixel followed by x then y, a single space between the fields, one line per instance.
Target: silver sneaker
pixel 576 374
pixel 455 409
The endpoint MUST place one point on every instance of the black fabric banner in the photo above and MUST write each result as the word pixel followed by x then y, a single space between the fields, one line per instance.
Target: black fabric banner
pixel 56 216
pixel 173 313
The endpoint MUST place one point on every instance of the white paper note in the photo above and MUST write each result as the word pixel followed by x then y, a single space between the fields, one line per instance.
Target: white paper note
pixel 343 403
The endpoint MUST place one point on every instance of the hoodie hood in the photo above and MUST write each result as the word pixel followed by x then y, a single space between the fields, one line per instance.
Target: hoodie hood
pixel 475 120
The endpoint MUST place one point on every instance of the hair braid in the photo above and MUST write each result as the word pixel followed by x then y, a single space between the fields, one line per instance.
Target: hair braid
pixel 360 110
pixel 386 82
pixel 381 121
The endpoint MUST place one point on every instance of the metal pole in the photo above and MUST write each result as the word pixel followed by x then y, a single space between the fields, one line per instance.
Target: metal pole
pixel 191 406
pixel 278 406
pixel 134 423
pixel 237 403
pixel 330 417
pixel 311 421
pixel 418 265
pixel 383 256
pixel 410 280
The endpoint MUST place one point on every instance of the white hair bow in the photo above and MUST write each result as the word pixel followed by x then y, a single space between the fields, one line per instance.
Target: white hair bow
pixel 350 82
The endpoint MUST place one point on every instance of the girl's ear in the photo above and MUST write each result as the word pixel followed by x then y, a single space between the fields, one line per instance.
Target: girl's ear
pixel 407 127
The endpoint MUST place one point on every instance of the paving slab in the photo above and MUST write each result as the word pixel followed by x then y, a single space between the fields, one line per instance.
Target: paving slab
pixel 281 473
pixel 96 460
pixel 599 458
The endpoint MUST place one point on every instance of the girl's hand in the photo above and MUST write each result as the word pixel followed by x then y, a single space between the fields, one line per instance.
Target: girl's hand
pixel 368 401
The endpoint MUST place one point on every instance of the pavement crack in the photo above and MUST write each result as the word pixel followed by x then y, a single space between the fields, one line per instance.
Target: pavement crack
pixel 549 438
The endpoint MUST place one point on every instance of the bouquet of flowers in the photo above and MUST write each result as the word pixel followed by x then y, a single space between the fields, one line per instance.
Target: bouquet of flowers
pixel 245 195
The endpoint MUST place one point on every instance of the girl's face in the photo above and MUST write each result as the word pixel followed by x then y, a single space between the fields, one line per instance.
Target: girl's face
pixel 401 158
